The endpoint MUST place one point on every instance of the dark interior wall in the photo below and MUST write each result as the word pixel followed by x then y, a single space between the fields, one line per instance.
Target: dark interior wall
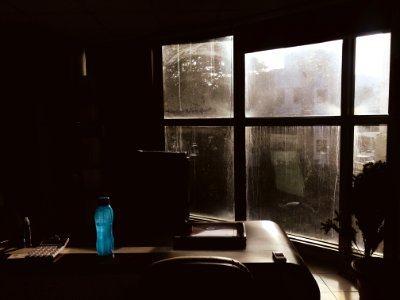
pixel 121 75
pixel 35 91
pixel 66 138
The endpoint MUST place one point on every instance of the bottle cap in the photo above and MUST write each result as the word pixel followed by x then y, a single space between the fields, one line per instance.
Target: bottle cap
pixel 103 200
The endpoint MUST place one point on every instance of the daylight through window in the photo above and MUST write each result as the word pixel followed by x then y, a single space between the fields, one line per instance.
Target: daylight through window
pixel 291 130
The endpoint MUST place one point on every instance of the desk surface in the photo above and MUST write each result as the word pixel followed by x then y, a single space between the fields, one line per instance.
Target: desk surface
pixel 263 237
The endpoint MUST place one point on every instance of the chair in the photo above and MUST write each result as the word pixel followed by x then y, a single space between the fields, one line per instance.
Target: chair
pixel 197 277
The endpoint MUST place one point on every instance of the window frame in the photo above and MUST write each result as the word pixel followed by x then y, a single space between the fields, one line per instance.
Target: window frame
pixel 346 120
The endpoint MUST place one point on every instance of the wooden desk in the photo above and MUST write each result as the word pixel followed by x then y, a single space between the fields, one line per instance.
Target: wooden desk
pixel 80 272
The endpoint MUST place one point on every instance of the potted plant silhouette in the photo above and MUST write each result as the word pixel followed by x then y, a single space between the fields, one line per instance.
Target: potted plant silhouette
pixel 368 203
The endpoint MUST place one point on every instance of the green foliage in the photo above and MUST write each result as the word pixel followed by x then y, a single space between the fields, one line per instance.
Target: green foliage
pixel 368 199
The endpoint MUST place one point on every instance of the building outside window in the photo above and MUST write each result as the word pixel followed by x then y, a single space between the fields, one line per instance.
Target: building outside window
pixel 289 132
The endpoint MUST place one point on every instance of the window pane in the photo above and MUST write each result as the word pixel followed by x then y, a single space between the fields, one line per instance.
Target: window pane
pixel 293 177
pixel 372 74
pixel 297 81
pixel 198 79
pixel 211 156
pixel 369 145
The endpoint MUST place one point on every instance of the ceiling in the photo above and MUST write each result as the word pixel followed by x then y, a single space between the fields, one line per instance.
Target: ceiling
pixel 113 19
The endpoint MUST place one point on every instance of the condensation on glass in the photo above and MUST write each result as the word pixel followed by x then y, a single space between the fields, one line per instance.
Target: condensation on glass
pixel 198 79
pixel 210 151
pixel 293 177
pixel 372 72
pixel 369 145
pixel 296 81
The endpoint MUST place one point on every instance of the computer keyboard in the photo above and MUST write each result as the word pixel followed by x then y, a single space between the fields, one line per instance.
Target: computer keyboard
pixel 48 249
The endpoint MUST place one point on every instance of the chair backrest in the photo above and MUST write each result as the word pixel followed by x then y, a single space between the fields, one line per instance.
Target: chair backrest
pixel 198 277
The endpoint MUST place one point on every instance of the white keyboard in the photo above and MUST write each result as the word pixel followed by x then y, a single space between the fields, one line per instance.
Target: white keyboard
pixel 48 249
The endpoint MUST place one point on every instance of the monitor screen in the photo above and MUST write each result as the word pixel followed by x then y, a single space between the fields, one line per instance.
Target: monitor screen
pixel 157 204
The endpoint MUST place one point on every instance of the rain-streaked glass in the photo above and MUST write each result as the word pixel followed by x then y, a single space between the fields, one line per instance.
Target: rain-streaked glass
pixel 296 81
pixel 372 74
pixel 210 151
pixel 293 177
pixel 198 79
pixel 370 143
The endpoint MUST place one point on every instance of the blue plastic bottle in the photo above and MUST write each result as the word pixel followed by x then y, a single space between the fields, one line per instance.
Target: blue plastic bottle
pixel 103 218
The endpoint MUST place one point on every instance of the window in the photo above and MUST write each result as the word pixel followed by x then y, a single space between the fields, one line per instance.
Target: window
pixel 211 156
pixel 293 170
pixel 290 134
pixel 198 79
pixel 298 81
pixel 198 89
pixel 372 74
pixel 290 178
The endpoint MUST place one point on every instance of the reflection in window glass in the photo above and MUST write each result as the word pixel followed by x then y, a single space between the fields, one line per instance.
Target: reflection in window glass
pixel 197 79
pixel 297 81
pixel 372 74
pixel 211 156
pixel 293 177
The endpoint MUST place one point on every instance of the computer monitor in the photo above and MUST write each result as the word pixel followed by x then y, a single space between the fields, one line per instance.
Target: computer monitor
pixel 158 204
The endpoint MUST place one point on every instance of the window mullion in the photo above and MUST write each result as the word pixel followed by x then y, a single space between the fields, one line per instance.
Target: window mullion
pixel 239 136
pixel 347 136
